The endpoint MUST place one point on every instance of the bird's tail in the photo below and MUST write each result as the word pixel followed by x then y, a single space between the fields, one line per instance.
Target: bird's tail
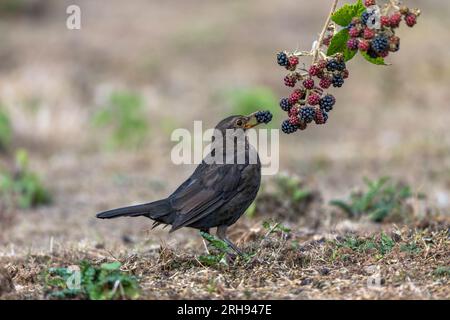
pixel 159 211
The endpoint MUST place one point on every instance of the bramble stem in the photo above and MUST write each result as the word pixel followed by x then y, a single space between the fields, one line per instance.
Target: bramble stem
pixel 324 30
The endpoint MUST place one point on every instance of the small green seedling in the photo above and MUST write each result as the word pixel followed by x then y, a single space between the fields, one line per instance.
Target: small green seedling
pixel 23 187
pixel 442 271
pixel 273 227
pixel 221 250
pixel 383 245
pixel 106 282
pixel 382 199
pixel 125 118
pixel 5 130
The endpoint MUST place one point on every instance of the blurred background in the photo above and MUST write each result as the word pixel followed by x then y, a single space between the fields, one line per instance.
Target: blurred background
pixel 86 115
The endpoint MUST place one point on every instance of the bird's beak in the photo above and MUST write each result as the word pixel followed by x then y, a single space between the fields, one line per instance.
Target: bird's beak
pixel 251 121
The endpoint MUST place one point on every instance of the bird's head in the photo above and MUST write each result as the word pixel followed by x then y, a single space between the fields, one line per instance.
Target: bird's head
pixel 238 122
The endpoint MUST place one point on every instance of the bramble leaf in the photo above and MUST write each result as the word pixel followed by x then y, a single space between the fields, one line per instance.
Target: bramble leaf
pixel 349 54
pixel 338 43
pixel 378 61
pixel 344 15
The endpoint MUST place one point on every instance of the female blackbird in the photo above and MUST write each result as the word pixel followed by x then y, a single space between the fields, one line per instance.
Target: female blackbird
pixel 217 193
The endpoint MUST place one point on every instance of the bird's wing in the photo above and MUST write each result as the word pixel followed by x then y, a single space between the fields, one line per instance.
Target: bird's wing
pixel 206 190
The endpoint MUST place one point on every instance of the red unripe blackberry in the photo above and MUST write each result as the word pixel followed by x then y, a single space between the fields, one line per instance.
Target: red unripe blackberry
pixel 293 61
pixel 314 70
pixel 364 45
pixel 385 21
pixel 395 19
pixel 294 111
pixel 325 83
pixel 322 64
pixel 345 74
pixel 319 117
pixel 411 20
pixel 313 99
pixel 290 81
pixel 352 44
pixel 368 33
pixel 354 32
pixel 296 96
pixel 369 3
pixel 294 120
pixel 308 84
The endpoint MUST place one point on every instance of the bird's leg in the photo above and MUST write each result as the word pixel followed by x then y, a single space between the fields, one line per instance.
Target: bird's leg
pixel 205 244
pixel 222 235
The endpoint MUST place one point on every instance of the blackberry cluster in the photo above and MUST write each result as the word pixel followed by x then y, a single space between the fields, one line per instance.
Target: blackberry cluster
pixel 308 102
pixel 263 116
pixel 374 31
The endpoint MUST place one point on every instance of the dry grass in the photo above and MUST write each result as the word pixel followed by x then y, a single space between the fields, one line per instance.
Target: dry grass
pixel 285 266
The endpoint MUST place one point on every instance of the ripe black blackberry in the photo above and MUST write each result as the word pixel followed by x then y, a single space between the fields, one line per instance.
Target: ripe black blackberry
pixel 288 128
pixel 325 117
pixel 341 66
pixel 338 81
pixel 332 65
pixel 365 17
pixel 327 103
pixel 307 114
pixel 372 53
pixel 285 104
pixel 283 59
pixel 380 43
pixel 263 116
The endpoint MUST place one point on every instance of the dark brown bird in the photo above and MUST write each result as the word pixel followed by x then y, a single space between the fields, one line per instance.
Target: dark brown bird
pixel 217 193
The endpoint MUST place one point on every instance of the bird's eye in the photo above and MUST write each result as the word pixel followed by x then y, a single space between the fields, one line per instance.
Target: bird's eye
pixel 239 123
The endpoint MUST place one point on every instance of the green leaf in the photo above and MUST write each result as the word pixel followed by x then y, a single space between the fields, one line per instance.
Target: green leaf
pixel 347 208
pixel 338 43
pixel 378 61
pixel 344 15
pixel 215 242
pixel 111 266
pixel 349 54
pixel 359 8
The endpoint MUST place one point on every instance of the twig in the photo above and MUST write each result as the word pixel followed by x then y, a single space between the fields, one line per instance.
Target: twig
pixel 324 30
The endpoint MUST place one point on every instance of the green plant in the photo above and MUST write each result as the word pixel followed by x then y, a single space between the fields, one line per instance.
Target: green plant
pixel 411 248
pixel 5 130
pixel 220 247
pixel 442 271
pixel 272 227
pixel 383 244
pixel 124 116
pixel 106 282
pixel 23 187
pixel 382 199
